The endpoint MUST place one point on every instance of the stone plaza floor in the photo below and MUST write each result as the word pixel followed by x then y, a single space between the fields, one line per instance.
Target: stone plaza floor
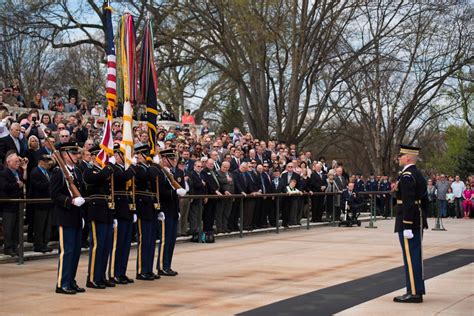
pixel 235 275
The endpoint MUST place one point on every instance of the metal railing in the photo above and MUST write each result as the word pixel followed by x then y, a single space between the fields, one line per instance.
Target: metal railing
pixel 238 198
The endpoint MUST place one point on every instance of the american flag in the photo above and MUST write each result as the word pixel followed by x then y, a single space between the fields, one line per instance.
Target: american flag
pixel 106 145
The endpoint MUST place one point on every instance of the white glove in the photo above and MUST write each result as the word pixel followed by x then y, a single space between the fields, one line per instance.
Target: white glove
pixel 181 192
pixel 78 201
pixel 135 218
pixel 112 160
pixel 115 223
pixel 179 216
pixel 83 223
pixel 161 216
pixel 407 234
pixel 134 160
pixel 156 159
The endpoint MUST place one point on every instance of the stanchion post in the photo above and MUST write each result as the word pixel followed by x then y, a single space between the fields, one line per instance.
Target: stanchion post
pixel 371 222
pixel 391 206
pixel 241 234
pixel 375 207
pixel 439 225
pixel 307 214
pixel 333 220
pixel 200 232
pixel 277 218
pixel 21 231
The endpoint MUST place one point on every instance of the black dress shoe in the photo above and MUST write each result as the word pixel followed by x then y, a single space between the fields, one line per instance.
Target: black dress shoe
pixel 77 288
pixel 118 280
pixel 145 277
pixel 65 290
pixel 167 272
pixel 95 285
pixel 126 278
pixel 155 276
pixel 47 249
pixel 108 283
pixel 408 298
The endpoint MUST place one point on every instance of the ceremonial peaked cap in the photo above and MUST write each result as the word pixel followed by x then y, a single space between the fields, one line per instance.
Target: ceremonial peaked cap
pixel 142 149
pixel 94 150
pixel 409 150
pixel 168 153
pixel 71 147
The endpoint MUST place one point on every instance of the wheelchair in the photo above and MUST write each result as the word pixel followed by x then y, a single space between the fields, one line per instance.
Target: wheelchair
pixel 351 215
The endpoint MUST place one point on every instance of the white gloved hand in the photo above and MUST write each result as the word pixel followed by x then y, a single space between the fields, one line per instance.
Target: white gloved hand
pixel 156 159
pixel 112 160
pixel 78 201
pixel 161 216
pixel 407 234
pixel 134 160
pixel 179 216
pixel 115 223
pixel 181 192
pixel 83 223
pixel 135 218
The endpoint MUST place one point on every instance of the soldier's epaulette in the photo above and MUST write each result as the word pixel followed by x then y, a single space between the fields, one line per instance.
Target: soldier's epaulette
pixel 406 173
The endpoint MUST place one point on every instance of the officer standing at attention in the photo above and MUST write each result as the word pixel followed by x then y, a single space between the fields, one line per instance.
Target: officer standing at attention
pixel 68 216
pixel 147 219
pixel 125 217
pixel 410 221
pixel 101 218
pixel 169 191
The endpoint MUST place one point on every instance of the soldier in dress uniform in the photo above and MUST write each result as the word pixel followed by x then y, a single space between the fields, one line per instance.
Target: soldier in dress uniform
pixel 68 217
pixel 122 237
pixel 147 217
pixel 410 221
pixel 169 206
pixel 101 221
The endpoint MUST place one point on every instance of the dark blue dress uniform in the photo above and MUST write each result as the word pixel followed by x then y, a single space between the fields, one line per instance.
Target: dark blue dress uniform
pixel 359 186
pixel 68 218
pixel 412 201
pixel 169 204
pixel 122 237
pixel 100 218
pixel 147 222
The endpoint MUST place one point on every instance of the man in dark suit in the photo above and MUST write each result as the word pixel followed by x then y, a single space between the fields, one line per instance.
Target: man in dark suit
pixel 12 185
pixel 197 187
pixel 240 186
pixel 236 160
pixel 286 204
pixel 12 142
pixel 68 216
pixel 212 184
pixel 317 183
pixel 39 183
pixel 252 208
pixel 224 206
pixel 350 197
pixel 275 186
pixel 266 202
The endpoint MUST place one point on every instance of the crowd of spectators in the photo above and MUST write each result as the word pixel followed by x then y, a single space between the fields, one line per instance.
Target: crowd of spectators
pixel 227 163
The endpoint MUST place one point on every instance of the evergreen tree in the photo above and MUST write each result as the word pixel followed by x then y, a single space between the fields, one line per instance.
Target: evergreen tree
pixel 232 116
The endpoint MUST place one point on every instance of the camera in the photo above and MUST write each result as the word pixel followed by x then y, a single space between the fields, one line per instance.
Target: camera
pixel 34 118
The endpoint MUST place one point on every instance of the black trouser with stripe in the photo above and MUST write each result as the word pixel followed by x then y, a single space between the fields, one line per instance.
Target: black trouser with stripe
pixel 69 254
pixel 147 231
pixel 122 239
pixel 101 244
pixel 411 250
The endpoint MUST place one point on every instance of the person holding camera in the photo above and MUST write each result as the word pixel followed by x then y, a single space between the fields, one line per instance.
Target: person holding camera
pixel 33 125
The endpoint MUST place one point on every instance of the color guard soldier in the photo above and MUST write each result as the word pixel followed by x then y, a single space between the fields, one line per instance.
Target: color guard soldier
pixel 410 221
pixel 169 205
pixel 101 219
pixel 125 217
pixel 147 219
pixel 68 216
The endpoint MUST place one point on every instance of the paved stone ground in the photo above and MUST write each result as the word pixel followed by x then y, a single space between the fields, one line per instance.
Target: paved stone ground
pixel 236 275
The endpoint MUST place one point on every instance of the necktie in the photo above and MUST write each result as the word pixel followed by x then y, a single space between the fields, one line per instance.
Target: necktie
pixel 263 184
